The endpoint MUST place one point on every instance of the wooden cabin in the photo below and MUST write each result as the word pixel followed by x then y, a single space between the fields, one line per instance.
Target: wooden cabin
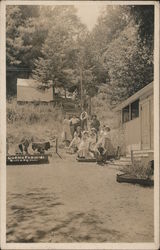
pixel 28 91
pixel 136 114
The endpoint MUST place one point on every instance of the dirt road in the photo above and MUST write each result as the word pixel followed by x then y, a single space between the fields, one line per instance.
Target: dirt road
pixel 66 201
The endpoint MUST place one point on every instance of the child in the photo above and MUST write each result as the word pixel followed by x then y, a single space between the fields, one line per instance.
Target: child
pixel 103 145
pixel 78 132
pixel 74 145
pixel 101 155
pixel 84 146
pixel 104 134
pixel 101 132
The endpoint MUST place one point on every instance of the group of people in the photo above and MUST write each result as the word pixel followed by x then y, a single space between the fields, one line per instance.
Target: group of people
pixel 87 137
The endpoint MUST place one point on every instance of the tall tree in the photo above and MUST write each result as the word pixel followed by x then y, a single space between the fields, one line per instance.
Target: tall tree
pixel 59 52
pixel 112 20
pixel 121 40
pixel 144 18
pixel 25 34
pixel 13 40
pixel 130 69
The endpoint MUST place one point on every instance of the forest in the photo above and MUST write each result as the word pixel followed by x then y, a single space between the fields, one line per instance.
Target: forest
pixel 59 50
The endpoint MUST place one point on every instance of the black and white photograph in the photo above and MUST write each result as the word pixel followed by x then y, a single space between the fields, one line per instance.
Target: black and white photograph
pixel 80 118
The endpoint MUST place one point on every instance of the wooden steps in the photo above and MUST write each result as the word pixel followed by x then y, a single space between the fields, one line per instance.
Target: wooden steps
pixel 137 155
pixel 120 163
pixel 71 107
pixel 141 153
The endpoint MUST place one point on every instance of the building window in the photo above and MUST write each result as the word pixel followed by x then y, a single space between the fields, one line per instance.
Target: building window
pixel 134 109
pixel 130 112
pixel 125 114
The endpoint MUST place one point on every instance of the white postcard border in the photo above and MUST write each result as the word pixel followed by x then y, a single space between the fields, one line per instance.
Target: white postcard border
pixel 4 245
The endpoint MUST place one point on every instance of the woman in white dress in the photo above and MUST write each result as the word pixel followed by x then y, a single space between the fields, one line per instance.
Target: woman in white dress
pixel 92 142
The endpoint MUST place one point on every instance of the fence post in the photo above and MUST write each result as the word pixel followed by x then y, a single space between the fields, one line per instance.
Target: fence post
pixel 56 145
pixel 132 156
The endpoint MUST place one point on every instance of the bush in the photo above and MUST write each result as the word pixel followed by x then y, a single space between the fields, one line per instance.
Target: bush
pixel 139 169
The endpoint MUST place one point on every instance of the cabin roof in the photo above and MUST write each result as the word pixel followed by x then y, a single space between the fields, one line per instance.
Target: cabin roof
pixel 18 69
pixel 27 83
pixel 147 89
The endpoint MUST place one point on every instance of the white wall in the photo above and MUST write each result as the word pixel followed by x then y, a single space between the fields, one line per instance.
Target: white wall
pixel 30 94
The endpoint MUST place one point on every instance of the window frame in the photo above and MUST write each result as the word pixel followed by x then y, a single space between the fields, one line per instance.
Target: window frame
pixel 128 106
pixel 132 118
pixel 130 112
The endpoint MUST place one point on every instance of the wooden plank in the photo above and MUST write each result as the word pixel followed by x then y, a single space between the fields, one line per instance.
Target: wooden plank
pixel 145 125
pixel 151 124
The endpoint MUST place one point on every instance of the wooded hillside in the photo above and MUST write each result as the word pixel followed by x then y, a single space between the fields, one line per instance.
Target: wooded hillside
pixel 53 43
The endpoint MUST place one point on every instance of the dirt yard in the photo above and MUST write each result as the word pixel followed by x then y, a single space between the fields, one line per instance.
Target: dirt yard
pixel 66 201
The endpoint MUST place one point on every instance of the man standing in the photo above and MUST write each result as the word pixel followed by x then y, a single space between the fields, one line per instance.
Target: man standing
pixel 95 123
pixel 74 123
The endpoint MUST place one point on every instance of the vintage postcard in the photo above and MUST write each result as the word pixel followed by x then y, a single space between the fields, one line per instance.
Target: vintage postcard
pixel 79 124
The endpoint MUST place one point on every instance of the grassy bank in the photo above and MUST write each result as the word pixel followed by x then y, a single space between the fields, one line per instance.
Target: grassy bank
pixel 41 122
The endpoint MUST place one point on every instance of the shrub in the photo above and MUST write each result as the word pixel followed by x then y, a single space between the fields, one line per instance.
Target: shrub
pixel 139 169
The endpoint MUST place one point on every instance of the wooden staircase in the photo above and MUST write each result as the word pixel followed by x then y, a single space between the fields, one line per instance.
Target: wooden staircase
pixel 70 107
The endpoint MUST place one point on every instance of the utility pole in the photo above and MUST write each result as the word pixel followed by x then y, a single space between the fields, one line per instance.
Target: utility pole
pixel 90 105
pixel 80 61
pixel 81 86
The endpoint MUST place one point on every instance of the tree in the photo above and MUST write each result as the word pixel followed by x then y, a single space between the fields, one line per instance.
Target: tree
pixel 59 52
pixel 25 34
pixel 120 41
pixel 111 22
pixel 130 68
pixel 144 18
pixel 52 41
pixel 87 70
pixel 13 40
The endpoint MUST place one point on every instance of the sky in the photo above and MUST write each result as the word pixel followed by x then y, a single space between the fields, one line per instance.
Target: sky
pixel 89 14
